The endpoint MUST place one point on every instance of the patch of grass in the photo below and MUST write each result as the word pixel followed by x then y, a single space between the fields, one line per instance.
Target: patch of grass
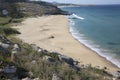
pixel 4 20
pixel 16 20
pixel 4 30
pixel 5 23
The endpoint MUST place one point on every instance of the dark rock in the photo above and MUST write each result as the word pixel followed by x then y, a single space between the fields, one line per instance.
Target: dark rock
pixel 9 69
pixel 6 46
pixel 5 43
pixel 3 50
pixel 22 73
pixel 56 53
pixel 51 60
pixel 3 39
pixel 36 48
pixel 2 76
pixel 68 60
pixel 44 51
pixel 118 71
pixel 77 68
pixel 48 58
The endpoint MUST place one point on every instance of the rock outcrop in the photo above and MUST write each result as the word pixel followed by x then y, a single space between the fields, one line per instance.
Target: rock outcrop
pixel 6 46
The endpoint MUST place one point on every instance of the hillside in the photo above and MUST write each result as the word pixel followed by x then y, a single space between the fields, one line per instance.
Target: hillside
pixel 19 60
pixel 31 8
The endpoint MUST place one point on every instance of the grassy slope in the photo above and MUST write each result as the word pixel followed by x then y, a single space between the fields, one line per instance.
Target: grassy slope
pixel 36 63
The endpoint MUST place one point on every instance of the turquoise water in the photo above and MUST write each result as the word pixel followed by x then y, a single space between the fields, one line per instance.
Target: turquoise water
pixel 97 27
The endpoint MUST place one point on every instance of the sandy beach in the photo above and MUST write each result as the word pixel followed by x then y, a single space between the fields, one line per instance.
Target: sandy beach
pixel 52 33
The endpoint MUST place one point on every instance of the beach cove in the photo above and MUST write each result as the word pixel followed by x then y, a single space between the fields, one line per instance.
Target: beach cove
pixel 52 33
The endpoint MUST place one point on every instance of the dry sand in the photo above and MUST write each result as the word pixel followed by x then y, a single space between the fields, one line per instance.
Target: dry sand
pixel 52 33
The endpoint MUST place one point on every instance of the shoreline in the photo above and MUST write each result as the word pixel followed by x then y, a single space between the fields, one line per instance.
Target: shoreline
pixel 52 33
pixel 85 42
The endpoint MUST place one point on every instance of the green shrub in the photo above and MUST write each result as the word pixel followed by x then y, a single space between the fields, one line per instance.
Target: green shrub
pixel 8 31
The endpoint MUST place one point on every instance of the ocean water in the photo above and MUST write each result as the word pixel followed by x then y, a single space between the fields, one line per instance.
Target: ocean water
pixel 97 27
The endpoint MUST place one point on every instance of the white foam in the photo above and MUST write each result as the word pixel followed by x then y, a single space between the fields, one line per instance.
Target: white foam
pixel 74 16
pixel 102 52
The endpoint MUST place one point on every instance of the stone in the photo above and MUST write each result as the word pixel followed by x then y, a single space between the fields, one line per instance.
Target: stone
pixel 39 50
pixel 48 58
pixel 76 62
pixel 22 73
pixel 9 69
pixel 55 77
pixel 68 60
pixel 44 51
pixel 4 45
pixel 34 62
pixel 34 47
pixel 116 74
pixel 16 47
pixel 4 12
pixel 3 50
pixel 54 52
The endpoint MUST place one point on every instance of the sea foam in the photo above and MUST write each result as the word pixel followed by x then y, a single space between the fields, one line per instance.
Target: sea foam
pixel 88 43
pixel 74 16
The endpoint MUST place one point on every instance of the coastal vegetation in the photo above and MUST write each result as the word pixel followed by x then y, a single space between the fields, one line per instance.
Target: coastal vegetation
pixel 34 62
pixel 30 62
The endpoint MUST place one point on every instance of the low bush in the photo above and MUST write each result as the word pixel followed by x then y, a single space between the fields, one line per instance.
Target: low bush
pixel 8 31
